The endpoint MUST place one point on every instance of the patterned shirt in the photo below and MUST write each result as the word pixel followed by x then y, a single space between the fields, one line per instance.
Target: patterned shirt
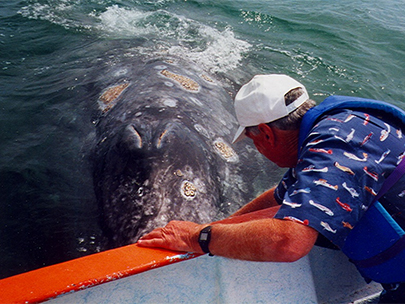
pixel 342 166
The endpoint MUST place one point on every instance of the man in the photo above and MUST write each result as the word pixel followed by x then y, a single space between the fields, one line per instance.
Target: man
pixel 339 154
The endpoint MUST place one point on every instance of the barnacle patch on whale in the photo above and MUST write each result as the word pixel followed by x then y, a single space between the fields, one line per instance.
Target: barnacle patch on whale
pixel 108 99
pixel 225 150
pixel 207 78
pixel 178 173
pixel 188 190
pixel 187 83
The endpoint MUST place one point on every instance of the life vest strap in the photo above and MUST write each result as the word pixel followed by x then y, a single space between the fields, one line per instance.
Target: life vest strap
pixel 382 257
pixel 391 180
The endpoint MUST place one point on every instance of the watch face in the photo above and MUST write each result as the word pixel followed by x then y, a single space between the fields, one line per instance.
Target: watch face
pixel 204 236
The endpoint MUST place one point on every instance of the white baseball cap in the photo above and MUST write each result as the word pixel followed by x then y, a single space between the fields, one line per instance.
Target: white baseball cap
pixel 261 100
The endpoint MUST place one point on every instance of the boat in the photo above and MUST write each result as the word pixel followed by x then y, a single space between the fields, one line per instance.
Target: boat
pixel 133 274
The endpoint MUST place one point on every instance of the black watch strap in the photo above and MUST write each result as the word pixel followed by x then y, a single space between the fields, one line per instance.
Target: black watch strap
pixel 204 239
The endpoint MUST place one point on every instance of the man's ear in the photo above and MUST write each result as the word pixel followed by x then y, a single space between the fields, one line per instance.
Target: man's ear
pixel 267 131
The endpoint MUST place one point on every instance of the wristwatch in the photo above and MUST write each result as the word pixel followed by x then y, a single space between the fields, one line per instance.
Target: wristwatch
pixel 204 239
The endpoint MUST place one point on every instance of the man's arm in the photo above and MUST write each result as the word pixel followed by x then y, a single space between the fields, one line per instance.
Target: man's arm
pixel 263 201
pixel 268 239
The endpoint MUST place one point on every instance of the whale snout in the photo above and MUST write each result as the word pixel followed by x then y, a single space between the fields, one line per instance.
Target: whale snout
pixel 150 175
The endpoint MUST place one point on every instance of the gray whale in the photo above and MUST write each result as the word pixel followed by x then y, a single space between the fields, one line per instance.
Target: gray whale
pixel 163 149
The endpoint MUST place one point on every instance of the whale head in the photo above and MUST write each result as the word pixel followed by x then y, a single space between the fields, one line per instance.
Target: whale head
pixel 162 150
pixel 150 172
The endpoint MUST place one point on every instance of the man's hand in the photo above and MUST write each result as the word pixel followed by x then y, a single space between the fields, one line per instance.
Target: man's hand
pixel 254 236
pixel 176 235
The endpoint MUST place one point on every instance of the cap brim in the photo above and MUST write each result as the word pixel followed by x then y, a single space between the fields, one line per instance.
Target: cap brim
pixel 240 134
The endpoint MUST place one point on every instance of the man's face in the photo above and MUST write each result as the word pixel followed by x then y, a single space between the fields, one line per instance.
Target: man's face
pixel 276 148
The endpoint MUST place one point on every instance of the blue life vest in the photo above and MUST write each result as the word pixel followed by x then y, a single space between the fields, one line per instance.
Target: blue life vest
pixel 376 245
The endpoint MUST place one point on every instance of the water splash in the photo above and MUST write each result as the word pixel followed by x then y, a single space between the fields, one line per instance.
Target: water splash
pixel 163 31
pixel 215 50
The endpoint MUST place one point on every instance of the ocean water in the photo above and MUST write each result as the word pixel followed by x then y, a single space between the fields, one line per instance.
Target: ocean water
pixel 50 51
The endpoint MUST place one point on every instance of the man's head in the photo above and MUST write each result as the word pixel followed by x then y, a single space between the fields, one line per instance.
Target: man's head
pixel 269 109
pixel 263 100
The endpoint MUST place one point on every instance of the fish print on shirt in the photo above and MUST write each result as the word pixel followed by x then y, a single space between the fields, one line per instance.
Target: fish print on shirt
pixel 321 207
pixel 315 142
pixel 366 120
pixel 334 119
pixel 366 139
pixel 350 136
pixel 400 157
pixel 349 118
pixel 352 191
pixel 294 219
pixel 292 205
pixel 324 183
pixel 343 168
pixel 370 190
pixel 340 138
pixel 383 156
pixel 347 225
pixel 385 132
pixel 344 206
pixel 312 168
pixel 320 150
pixel 399 133
pixel 354 157
pixel 313 134
pixel 373 175
pixel 305 190
pixel 327 227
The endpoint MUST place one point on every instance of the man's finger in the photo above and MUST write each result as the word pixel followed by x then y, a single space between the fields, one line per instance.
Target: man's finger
pixel 156 233
pixel 151 243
